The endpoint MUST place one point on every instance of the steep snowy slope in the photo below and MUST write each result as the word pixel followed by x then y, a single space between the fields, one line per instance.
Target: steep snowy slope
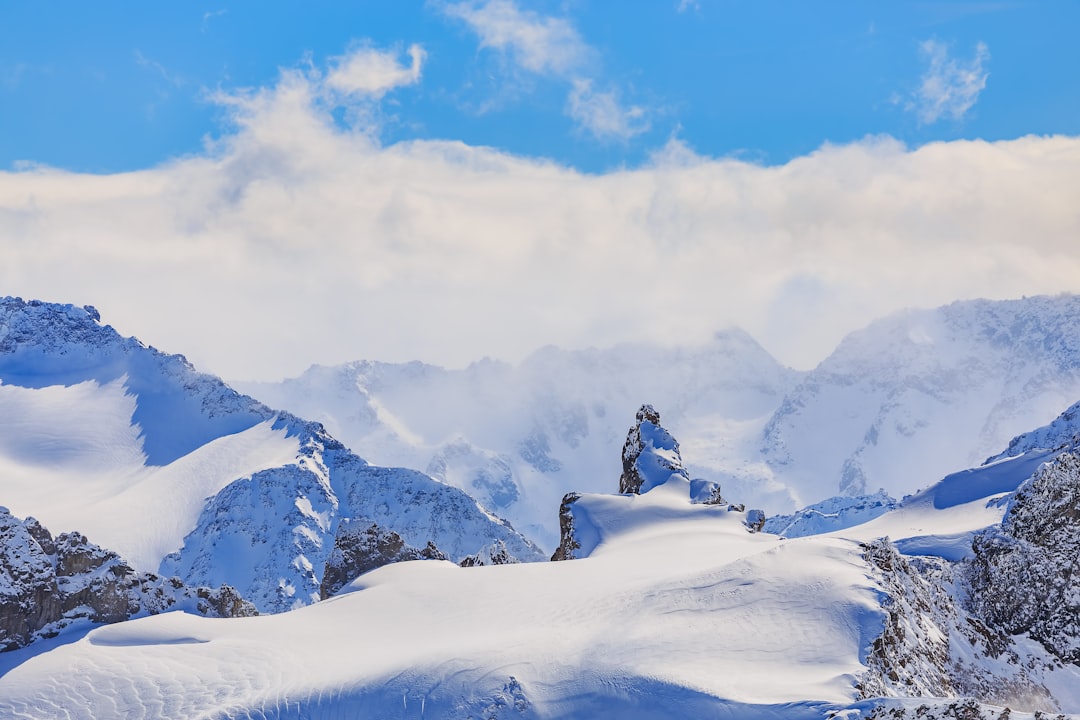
pixel 180 474
pixel 518 438
pixel 923 393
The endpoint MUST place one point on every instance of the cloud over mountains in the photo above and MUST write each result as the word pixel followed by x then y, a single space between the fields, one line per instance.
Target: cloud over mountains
pixel 296 237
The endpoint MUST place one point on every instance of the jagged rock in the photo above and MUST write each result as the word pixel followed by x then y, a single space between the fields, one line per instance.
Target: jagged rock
pixel 1023 576
pixel 966 709
pixel 361 546
pixel 705 492
pixel 650 455
pixel 494 554
pixel 755 520
pixel 567 542
pixel 48 584
pixel 932 647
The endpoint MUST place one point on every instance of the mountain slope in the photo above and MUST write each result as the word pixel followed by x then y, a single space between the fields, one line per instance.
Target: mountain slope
pixel 904 401
pixel 674 609
pixel 925 392
pixel 180 474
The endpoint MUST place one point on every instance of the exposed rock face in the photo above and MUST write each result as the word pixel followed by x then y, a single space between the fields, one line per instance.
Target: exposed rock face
pixel 1024 577
pixel 494 554
pixel 650 455
pixel 930 647
pixel 48 584
pixel 361 546
pixel 567 542
pixel 966 709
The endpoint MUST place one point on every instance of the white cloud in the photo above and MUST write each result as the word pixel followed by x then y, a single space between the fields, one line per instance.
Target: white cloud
pixel 601 113
pixel 293 241
pixel 553 47
pixel 367 71
pixel 543 45
pixel 949 87
pixel 684 5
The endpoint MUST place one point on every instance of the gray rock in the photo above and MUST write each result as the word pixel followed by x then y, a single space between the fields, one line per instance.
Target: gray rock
pixel 48 585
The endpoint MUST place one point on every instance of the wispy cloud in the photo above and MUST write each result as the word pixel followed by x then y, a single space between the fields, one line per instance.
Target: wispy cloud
pixel 684 5
pixel 949 87
pixel 158 68
pixel 371 72
pixel 304 99
pixel 539 44
pixel 602 114
pixel 553 47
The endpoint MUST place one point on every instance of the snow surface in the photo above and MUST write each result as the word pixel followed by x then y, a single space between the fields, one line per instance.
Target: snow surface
pixel 678 612
pixel 73 456
pixel 941 520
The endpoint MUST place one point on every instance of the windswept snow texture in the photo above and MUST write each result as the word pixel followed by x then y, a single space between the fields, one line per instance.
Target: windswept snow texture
pixel 178 473
pixel 923 393
pixel 678 612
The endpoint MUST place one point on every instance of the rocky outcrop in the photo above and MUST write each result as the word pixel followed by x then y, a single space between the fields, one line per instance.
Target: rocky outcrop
pixel 567 542
pixel 930 647
pixel 650 455
pixel 493 554
pixel 966 709
pixel 1025 575
pixel 361 546
pixel 48 584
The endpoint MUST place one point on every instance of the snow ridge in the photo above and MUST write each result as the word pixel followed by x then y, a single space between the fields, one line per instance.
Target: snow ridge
pixel 925 392
pixel 269 532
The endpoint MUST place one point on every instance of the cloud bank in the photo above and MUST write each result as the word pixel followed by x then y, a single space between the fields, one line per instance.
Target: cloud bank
pixel 296 239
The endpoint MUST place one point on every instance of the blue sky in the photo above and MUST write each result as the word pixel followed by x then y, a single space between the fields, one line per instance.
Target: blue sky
pixel 105 87
pixel 262 186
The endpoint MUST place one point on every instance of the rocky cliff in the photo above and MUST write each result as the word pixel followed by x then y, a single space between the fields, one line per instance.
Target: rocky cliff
pixel 1024 576
pixel 48 584
pixel 360 547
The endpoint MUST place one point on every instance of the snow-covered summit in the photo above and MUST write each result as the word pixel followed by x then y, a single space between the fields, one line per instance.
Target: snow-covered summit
pixel 925 392
pixel 181 474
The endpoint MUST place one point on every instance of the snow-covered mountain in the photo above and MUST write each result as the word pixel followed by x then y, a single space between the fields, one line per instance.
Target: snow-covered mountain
pixel 183 476
pixel 671 609
pixel 519 437
pixel 925 392
pixel 908 399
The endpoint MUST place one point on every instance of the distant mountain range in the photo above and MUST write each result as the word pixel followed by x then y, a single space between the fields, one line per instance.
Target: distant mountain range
pixel 908 399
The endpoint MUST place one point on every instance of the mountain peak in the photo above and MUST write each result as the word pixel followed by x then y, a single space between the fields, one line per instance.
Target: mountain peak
pixel 650 456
